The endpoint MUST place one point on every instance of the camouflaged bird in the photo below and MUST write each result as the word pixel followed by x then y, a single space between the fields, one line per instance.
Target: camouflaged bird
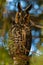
pixel 20 36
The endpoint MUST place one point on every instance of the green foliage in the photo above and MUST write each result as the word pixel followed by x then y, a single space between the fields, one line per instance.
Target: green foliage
pixel 5 59
pixel 37 60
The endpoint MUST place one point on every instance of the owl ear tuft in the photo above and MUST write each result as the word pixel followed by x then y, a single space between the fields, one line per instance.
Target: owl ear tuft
pixel 28 8
pixel 19 7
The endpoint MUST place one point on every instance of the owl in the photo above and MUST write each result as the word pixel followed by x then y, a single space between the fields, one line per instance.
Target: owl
pixel 20 38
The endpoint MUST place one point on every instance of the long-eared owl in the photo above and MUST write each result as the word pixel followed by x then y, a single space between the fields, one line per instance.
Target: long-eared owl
pixel 20 37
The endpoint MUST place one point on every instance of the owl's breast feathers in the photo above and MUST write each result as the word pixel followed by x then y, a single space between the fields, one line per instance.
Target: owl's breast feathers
pixel 20 40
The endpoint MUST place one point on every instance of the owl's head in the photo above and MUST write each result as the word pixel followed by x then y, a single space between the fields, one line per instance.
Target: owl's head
pixel 20 15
